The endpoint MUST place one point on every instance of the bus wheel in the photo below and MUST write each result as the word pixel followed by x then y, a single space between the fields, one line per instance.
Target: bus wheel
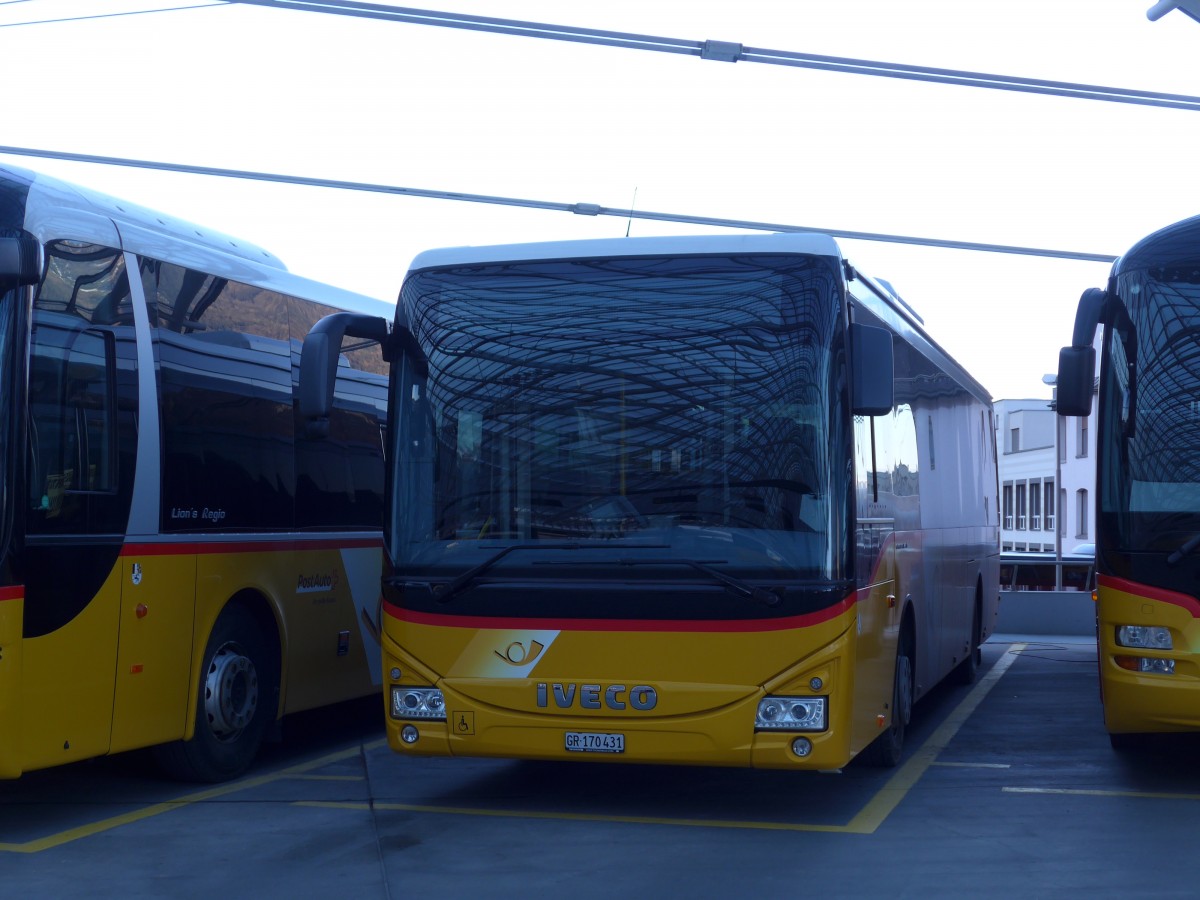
pixel 1127 741
pixel 235 704
pixel 885 750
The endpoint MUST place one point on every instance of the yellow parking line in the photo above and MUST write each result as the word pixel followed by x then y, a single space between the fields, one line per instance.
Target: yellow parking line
pixel 866 822
pixel 1148 795
pixel 146 812
pixel 874 813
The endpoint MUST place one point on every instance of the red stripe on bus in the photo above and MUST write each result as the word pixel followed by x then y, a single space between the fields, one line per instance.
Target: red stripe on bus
pixel 1191 604
pixel 208 547
pixel 680 625
pixel 15 592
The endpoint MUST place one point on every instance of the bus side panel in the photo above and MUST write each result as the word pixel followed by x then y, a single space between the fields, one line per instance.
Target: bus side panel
pixel 67 684
pixel 155 650
pixel 319 597
pixel 12 606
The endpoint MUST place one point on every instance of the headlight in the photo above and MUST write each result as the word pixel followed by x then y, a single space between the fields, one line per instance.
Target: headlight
pixel 417 703
pixel 791 714
pixel 1149 637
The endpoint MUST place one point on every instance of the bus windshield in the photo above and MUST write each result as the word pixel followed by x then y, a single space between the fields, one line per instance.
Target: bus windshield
pixel 680 412
pixel 1150 476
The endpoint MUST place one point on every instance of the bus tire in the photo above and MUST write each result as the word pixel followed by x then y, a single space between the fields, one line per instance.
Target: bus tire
pixel 1127 741
pixel 968 670
pixel 885 751
pixel 236 703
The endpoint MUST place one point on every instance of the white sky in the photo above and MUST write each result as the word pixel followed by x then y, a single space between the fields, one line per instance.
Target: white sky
pixel 324 96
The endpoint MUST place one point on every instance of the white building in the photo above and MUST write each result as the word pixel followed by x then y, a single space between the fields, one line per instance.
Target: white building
pixel 1042 500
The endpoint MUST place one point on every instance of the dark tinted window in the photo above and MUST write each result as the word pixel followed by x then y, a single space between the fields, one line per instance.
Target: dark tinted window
pixel 83 394
pixel 234 451
pixel 226 401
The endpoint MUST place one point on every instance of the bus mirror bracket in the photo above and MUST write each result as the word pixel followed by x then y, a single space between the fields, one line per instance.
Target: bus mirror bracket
pixel 1077 363
pixel 20 262
pixel 873 373
pixel 319 361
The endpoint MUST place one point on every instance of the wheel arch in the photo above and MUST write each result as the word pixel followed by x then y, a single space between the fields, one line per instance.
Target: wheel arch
pixel 269 622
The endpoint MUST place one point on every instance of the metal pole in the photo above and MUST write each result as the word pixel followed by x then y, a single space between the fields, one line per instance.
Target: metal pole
pixel 1058 513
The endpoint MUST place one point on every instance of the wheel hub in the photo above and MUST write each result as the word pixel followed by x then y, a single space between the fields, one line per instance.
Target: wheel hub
pixel 230 692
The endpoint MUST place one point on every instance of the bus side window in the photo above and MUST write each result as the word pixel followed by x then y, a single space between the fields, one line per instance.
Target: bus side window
pixel 73 449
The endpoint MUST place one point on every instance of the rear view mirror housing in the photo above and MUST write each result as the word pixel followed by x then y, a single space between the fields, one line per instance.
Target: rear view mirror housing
pixel 873 379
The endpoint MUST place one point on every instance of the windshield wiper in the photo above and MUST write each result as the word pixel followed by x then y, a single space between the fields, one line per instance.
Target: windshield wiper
pixel 1188 547
pixel 445 592
pixel 735 585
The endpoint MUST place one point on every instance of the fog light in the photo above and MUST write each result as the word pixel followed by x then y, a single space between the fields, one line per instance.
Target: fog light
pixel 409 734
pixel 1149 664
pixel 802 747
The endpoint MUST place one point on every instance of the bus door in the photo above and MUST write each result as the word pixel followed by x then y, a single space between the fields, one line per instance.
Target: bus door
pixel 878 620
pixel 82 428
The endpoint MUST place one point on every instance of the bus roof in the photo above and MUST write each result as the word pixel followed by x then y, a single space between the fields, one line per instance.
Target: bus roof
pixel 56 209
pixel 1172 245
pixel 716 244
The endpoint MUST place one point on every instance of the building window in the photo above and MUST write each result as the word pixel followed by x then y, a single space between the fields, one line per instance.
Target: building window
pixel 1035 506
pixel 1008 506
pixel 1081 437
pixel 1016 440
pixel 1061 425
pixel 1021 506
pixel 1081 513
pixel 1048 493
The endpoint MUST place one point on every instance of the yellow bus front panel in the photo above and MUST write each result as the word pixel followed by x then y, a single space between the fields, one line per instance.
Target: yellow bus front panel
pixel 646 696
pixel 1150 686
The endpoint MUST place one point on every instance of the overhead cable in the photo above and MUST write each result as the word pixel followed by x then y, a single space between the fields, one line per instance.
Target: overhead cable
pixel 581 209
pixel 727 51
pixel 111 15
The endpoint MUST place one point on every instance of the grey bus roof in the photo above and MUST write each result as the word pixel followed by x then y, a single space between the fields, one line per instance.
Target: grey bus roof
pixel 56 209
pixel 784 242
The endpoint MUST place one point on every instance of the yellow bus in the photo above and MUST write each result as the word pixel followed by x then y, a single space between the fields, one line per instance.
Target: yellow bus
pixel 715 500
pixel 1147 479
pixel 180 563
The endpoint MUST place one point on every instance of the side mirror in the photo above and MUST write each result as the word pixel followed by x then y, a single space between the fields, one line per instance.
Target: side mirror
pixel 20 262
pixel 873 379
pixel 319 361
pixel 1077 363
pixel 1076 373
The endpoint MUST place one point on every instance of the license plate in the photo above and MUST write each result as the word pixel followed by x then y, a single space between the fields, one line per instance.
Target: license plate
pixel 594 742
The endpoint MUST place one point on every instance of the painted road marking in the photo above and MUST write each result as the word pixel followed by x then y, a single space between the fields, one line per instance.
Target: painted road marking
pixel 156 809
pixel 867 821
pixel 1148 795
pixel 969 765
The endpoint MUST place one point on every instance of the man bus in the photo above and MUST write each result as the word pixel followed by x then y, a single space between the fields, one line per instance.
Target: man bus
pixel 1147 479
pixel 714 500
pixel 179 565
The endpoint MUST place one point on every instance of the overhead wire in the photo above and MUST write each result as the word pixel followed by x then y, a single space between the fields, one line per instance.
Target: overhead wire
pixel 112 15
pixel 582 209
pixel 728 51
